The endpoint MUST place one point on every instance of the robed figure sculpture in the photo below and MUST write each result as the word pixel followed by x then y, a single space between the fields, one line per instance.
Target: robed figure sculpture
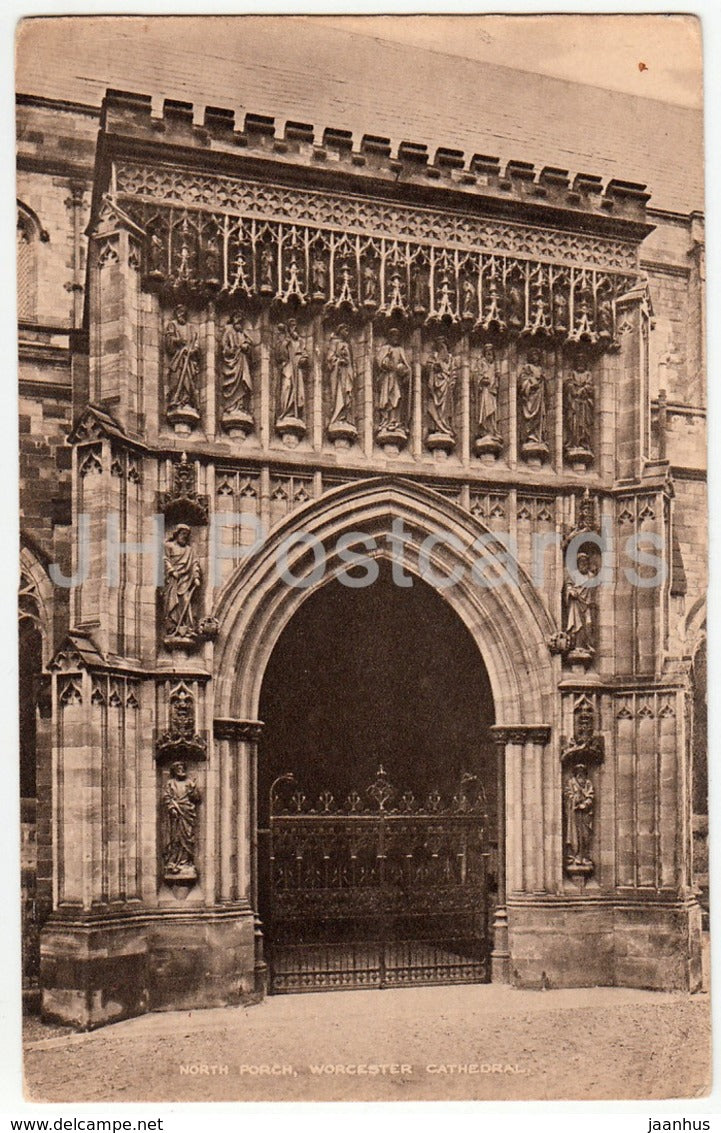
pixel 180 802
pixel 393 373
pixel 532 408
pixel 182 580
pixel 488 439
pixel 579 404
pixel 237 380
pixel 579 595
pixel 339 363
pixel 182 384
pixel 441 374
pixel 293 362
pixel 579 798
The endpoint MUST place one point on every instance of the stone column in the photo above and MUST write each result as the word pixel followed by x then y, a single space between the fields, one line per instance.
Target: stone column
pixel 521 827
pixel 114 302
pixel 239 742
pixel 500 956
pixel 632 406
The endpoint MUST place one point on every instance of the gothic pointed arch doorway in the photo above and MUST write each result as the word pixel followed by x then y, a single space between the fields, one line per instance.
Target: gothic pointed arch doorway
pixel 378 857
pixel 509 627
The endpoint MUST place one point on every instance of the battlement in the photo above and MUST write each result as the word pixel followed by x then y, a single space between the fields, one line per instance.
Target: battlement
pixel 617 203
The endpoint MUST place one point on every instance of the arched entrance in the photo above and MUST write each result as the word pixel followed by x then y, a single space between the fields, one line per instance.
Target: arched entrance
pixel 369 693
pixel 507 623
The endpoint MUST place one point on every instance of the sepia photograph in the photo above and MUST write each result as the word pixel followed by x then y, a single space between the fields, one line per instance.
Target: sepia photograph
pixel 363 558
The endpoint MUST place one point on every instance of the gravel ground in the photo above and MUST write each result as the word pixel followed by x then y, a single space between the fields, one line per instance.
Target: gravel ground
pixel 589 1043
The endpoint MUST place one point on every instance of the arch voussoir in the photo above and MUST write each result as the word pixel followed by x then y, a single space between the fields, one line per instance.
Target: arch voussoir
pixel 508 621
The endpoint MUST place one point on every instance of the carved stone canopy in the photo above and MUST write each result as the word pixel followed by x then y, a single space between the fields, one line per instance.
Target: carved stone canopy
pixel 586 746
pixel 183 503
pixel 181 741
pixel 520 734
pixel 225 728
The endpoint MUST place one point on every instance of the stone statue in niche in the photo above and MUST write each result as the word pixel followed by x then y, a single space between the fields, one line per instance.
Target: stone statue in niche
pixel 183 577
pixel 370 286
pixel 560 312
pixel 339 362
pixel 532 409
pixel 155 256
pixel 579 405
pixel 579 601
pixel 212 262
pixel 516 304
pixel 584 751
pixel 604 317
pixel 237 379
pixel 394 374
pixel 180 803
pixel 488 440
pixel 319 277
pixel 183 353
pixel 293 362
pixel 579 799
pixel 469 306
pixel 266 270
pixel 441 374
pixel 419 290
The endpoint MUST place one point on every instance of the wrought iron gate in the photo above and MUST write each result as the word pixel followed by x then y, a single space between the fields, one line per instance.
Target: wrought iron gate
pixel 381 891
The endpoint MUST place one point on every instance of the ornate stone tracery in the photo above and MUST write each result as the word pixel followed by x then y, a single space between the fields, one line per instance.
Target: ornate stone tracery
pixel 231 197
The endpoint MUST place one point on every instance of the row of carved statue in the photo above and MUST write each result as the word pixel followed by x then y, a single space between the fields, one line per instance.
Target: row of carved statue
pixel 180 794
pixel 297 266
pixel 392 390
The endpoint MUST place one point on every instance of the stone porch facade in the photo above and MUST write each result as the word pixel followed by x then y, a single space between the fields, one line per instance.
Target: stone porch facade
pixel 467 276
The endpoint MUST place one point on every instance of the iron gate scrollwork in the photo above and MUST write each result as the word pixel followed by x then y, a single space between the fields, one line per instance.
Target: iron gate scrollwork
pixel 379 891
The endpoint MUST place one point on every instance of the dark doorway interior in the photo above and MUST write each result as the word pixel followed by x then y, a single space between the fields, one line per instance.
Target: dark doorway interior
pixel 380 887
pixel 384 674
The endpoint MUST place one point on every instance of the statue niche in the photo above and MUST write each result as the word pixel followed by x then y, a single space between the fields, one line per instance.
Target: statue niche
pixel 341 376
pixel 578 415
pixel 576 642
pixel 180 800
pixel 237 378
pixel 584 751
pixel 293 363
pixel 441 378
pixel 488 442
pixel 532 409
pixel 579 608
pixel 393 382
pixel 182 351
pixel 182 580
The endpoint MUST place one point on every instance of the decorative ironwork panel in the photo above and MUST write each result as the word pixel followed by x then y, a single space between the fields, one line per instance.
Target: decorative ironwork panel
pixel 378 890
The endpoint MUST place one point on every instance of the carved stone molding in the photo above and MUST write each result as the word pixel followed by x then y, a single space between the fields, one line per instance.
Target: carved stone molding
pixel 181 741
pixel 521 733
pixel 228 729
pixel 94 424
pixel 182 503
pixel 316 207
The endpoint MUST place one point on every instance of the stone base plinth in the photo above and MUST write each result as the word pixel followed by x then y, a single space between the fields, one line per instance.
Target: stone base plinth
pixel 203 960
pixel 93 973
pixel 98 971
pixel 650 943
